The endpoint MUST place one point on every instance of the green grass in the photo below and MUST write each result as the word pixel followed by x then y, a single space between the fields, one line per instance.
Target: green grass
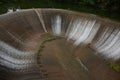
pixel 49 4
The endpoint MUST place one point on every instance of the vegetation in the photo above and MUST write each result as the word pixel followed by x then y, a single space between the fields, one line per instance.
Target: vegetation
pixel 110 5
pixel 116 67
pixel 46 39
pixel 42 45
pixel 107 8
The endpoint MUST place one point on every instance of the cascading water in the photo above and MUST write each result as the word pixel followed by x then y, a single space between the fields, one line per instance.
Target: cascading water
pixel 108 43
pixel 20 35
pixel 56 26
pixel 82 31
pixel 15 61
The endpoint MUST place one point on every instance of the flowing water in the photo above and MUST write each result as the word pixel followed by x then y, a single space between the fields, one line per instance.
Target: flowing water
pixel 83 41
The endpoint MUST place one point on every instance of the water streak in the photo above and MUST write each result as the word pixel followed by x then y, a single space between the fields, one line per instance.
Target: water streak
pixel 56 25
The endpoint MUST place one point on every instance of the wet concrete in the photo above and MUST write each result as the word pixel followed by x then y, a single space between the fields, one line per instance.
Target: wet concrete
pixel 60 60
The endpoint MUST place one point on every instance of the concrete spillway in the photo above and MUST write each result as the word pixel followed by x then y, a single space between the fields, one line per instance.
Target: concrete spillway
pixel 83 42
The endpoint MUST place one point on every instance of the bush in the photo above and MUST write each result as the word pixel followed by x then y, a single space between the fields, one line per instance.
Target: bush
pixel 109 5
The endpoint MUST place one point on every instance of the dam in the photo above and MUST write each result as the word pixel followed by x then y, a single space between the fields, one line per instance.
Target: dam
pixel 57 44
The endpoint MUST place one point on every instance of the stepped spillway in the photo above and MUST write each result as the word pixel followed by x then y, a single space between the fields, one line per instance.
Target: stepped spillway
pixel 82 42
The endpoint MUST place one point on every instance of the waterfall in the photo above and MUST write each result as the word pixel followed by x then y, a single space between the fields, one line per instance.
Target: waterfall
pixel 82 31
pixel 56 25
pixel 108 44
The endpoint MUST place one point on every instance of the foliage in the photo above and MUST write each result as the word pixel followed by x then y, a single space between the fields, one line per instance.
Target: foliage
pixel 107 8
pixel 109 5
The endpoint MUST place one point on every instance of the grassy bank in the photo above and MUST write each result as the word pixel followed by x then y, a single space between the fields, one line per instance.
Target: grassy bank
pixel 49 4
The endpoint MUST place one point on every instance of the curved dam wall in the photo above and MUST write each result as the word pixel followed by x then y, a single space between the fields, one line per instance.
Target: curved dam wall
pixel 17 52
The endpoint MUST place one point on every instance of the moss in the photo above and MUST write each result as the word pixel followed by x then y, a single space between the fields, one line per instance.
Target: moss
pixel 115 66
pixel 46 39
pixel 42 45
